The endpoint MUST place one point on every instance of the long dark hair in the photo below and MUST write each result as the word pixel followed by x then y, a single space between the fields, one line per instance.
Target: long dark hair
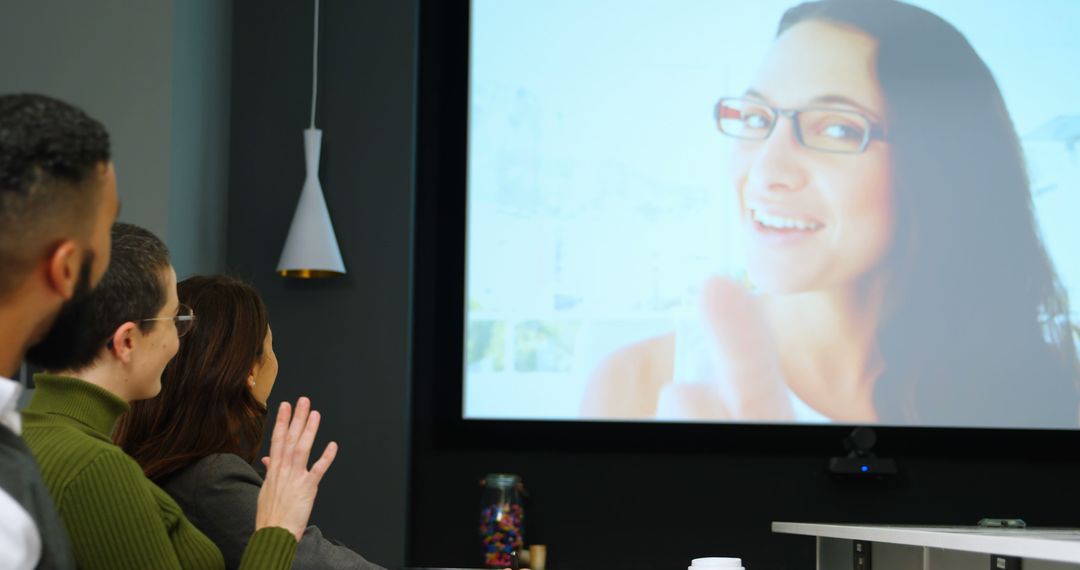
pixel 205 405
pixel 976 329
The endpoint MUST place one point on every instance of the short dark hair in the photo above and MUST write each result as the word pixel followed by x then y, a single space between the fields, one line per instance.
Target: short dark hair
pixel 131 289
pixel 48 150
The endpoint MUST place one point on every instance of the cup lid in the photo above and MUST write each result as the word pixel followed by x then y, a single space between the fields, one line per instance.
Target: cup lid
pixel 716 562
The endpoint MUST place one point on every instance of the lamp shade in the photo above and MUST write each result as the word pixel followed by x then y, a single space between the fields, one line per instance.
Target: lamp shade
pixel 311 249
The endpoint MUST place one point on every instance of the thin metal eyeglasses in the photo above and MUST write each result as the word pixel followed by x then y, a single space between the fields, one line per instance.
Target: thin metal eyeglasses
pixel 184 319
pixel 819 128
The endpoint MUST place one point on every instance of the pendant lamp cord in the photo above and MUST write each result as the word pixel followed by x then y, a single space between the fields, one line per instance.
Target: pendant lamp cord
pixel 315 65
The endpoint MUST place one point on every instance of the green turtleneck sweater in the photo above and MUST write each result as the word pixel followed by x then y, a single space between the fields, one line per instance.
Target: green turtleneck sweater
pixel 115 516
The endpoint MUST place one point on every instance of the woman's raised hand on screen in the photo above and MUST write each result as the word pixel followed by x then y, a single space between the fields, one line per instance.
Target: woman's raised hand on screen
pixel 288 492
pixel 747 383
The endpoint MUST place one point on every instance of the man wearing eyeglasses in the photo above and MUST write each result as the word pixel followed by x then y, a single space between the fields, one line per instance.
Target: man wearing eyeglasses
pixel 58 200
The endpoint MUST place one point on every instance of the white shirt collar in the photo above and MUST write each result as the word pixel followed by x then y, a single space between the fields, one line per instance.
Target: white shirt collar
pixel 9 404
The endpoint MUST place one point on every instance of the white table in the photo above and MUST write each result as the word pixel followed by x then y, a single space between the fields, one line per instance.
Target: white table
pixel 940 547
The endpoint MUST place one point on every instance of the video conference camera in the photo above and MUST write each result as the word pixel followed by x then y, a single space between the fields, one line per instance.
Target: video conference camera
pixel 861 461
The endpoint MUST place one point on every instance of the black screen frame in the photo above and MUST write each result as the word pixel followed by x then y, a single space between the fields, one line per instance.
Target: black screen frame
pixel 438 313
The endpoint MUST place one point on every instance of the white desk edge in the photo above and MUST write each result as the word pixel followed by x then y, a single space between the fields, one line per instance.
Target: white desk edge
pixel 1036 543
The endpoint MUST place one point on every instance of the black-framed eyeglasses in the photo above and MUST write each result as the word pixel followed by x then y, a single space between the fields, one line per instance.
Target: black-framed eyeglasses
pixel 184 319
pixel 818 128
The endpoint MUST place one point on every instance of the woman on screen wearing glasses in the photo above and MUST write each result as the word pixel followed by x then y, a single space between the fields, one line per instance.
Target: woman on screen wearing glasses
pixel 898 272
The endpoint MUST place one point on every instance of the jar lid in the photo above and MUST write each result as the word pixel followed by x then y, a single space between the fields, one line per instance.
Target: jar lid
pixel 501 480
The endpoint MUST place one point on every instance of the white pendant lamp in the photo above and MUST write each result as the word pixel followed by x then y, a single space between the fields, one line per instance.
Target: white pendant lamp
pixel 311 249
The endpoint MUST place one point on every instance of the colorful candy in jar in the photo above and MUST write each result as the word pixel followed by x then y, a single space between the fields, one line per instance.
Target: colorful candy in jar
pixel 500 533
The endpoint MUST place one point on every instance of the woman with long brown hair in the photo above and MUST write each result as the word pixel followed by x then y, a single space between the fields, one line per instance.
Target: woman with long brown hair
pixel 199 437
pixel 898 272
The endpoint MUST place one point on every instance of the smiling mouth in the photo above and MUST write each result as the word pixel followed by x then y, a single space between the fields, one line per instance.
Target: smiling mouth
pixel 784 223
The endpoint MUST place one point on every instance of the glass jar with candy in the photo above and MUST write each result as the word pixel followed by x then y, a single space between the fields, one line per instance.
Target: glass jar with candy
pixel 502 518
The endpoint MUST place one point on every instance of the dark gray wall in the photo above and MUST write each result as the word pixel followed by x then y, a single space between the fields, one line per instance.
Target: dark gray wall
pixel 113 58
pixel 344 342
pixel 199 142
pixel 157 75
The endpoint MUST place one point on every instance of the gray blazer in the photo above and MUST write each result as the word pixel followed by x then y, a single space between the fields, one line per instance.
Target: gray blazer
pixel 219 495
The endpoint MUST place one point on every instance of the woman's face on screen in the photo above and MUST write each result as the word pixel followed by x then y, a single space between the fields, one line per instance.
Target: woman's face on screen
pixel 814 220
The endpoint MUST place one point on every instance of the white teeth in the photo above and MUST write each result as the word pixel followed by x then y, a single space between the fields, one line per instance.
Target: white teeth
pixel 782 223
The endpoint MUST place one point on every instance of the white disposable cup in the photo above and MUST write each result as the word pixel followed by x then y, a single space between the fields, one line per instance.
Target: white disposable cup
pixel 714 562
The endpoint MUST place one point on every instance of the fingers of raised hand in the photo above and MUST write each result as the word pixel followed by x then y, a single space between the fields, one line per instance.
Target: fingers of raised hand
pixel 281 428
pixel 306 440
pixel 747 359
pixel 690 402
pixel 294 438
pixel 735 320
pixel 299 420
pixel 323 464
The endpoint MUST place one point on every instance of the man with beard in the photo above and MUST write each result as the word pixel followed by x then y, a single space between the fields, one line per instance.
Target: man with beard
pixel 58 202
